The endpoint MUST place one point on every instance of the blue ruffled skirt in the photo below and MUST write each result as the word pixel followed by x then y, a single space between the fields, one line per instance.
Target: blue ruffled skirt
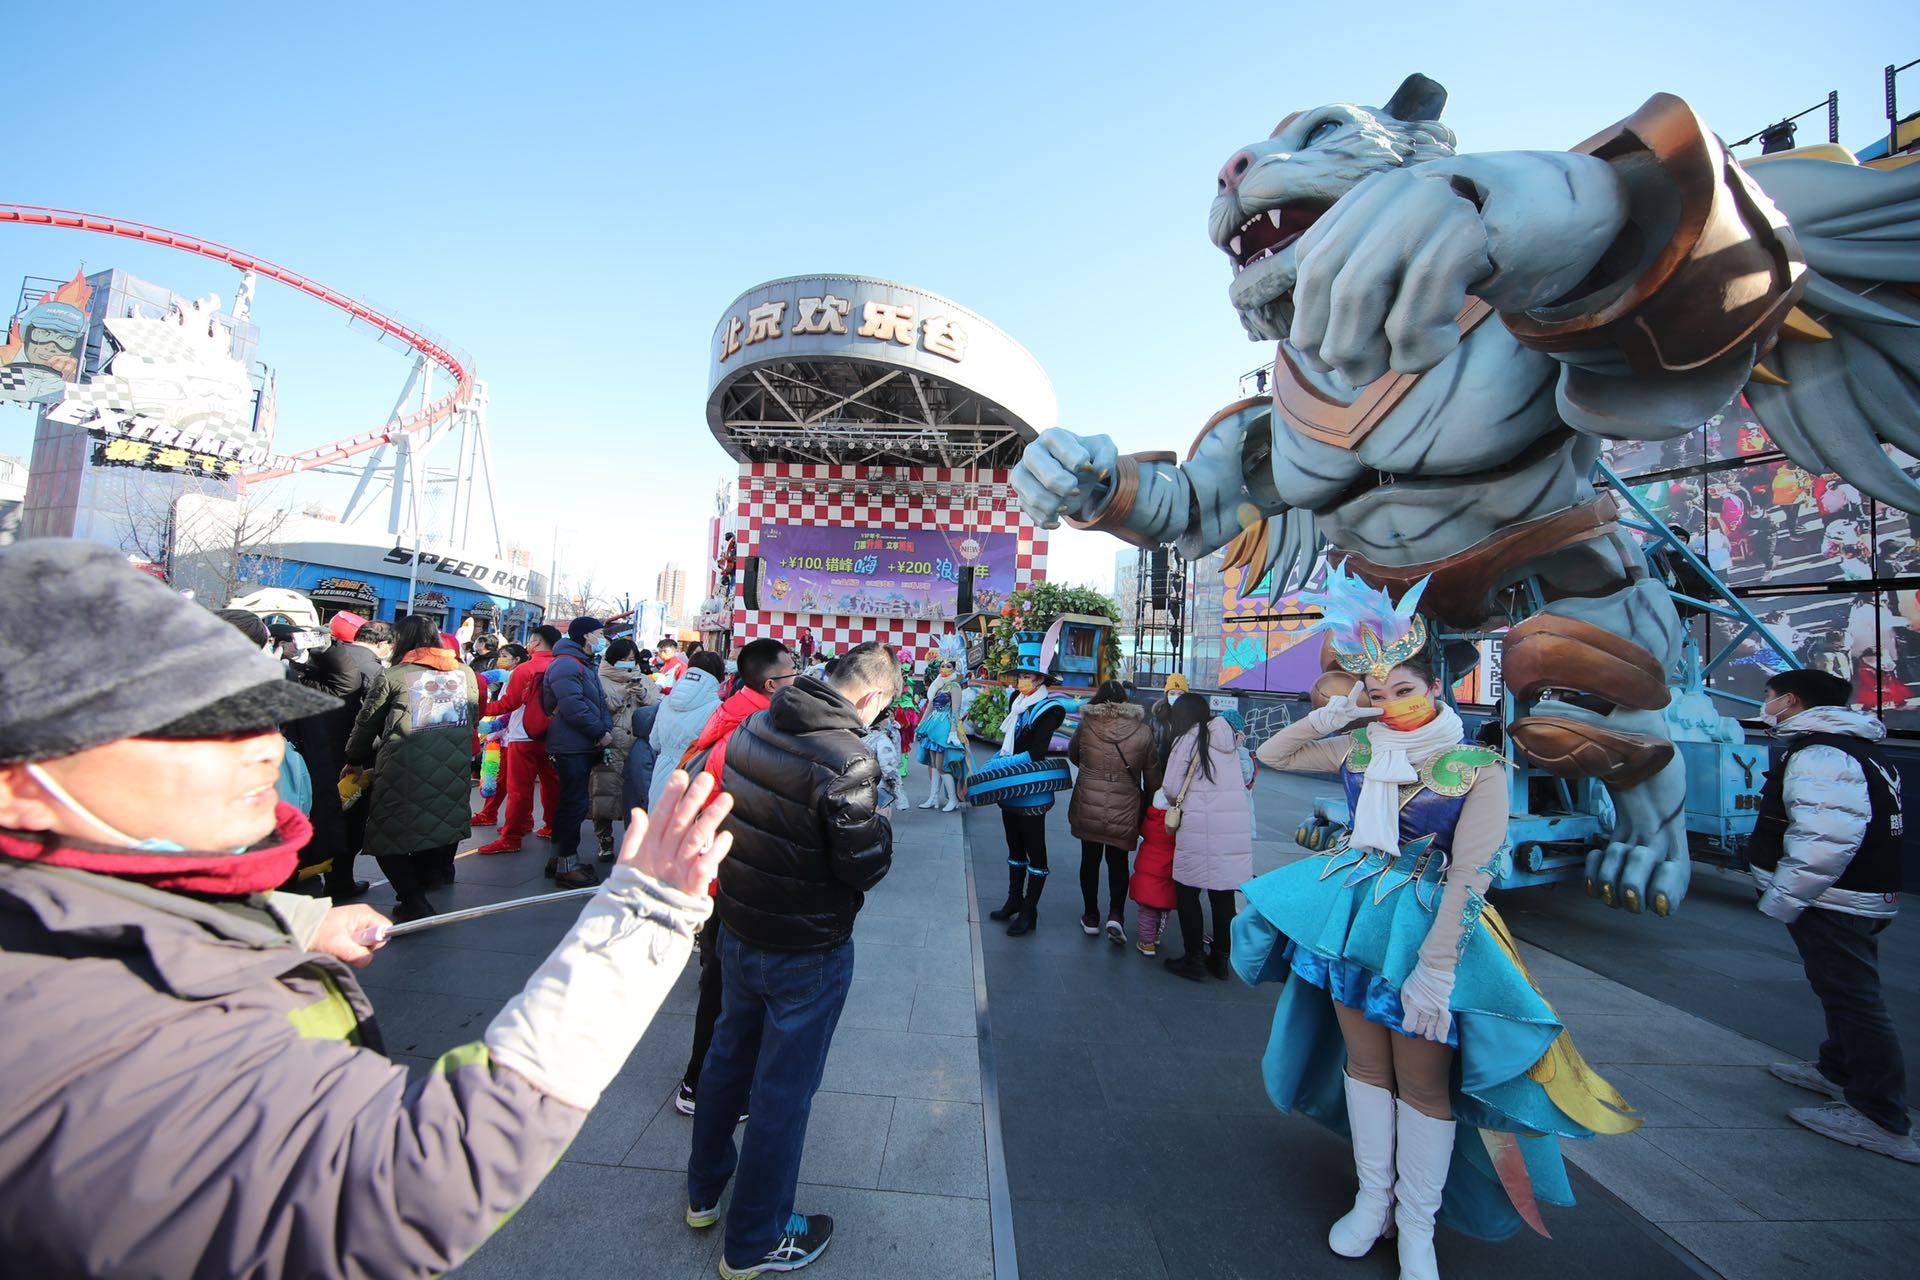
pixel 931 744
pixel 1317 927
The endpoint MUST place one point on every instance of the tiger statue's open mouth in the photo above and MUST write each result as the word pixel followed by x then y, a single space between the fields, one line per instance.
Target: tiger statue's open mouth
pixel 1270 194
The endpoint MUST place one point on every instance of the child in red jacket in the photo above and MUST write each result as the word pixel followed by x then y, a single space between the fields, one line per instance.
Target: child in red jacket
pixel 1151 885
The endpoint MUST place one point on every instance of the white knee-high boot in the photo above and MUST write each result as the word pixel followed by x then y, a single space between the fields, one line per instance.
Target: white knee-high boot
pixel 1423 1149
pixel 950 792
pixel 1370 1117
pixel 933 789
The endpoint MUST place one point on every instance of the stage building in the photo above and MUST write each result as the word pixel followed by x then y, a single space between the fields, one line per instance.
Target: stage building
pixel 874 425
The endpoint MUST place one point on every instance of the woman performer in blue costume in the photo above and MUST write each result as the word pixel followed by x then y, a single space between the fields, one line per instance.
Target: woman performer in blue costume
pixel 940 742
pixel 1395 966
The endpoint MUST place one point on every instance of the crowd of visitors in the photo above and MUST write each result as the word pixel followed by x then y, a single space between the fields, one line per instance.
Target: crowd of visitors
pixel 151 826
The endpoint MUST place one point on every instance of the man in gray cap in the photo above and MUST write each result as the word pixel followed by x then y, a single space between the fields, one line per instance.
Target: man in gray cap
pixel 195 1082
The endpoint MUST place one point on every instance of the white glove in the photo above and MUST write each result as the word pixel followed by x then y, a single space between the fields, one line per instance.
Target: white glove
pixel 1424 999
pixel 1339 712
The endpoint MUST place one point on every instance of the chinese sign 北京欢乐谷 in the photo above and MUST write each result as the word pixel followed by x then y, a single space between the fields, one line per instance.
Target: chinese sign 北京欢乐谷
pixel 895 322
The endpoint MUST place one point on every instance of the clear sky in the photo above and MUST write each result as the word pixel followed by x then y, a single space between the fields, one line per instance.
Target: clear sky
pixel 574 192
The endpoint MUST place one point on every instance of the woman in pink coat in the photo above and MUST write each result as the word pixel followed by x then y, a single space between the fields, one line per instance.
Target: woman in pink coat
pixel 1213 849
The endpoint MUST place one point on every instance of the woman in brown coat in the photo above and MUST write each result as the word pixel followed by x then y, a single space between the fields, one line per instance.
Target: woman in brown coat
pixel 1113 748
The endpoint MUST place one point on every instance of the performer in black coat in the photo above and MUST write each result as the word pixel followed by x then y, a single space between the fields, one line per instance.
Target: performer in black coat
pixel 1033 717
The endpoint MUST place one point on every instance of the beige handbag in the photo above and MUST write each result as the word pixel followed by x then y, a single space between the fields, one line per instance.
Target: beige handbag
pixel 1173 810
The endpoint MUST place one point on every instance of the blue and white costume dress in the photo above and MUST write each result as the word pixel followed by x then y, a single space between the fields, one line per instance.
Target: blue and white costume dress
pixel 939 740
pixel 1348 925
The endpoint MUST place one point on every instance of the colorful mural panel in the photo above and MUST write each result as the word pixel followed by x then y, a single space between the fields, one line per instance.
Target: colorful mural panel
pixel 1261 639
pixel 41 355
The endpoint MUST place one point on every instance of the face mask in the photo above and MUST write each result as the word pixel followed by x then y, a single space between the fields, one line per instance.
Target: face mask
pixel 1768 716
pixel 598 647
pixel 625 666
pixel 114 834
pixel 1027 684
pixel 1409 712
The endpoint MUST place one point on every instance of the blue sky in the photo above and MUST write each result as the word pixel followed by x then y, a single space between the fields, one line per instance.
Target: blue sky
pixel 574 192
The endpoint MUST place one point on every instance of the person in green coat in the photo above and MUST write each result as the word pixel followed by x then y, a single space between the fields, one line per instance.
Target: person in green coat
pixel 416 731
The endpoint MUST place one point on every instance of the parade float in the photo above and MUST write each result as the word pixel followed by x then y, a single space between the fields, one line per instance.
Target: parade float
pixel 1459 338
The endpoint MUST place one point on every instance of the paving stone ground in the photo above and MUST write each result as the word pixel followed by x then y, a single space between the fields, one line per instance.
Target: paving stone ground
pixel 1139 1138
pixel 1135 1139
pixel 896 1150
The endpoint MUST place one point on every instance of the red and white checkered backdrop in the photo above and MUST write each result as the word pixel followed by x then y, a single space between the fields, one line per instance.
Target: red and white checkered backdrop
pixel 948 500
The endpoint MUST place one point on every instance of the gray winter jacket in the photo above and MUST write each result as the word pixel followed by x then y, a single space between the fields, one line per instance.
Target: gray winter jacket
pixel 1828 808
pixel 189 1093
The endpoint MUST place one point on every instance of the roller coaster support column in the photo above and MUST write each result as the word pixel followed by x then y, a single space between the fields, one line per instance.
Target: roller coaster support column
pixel 413 486
pixel 376 467
pixel 485 450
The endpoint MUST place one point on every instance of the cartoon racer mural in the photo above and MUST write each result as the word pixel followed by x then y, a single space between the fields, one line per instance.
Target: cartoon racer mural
pixel 42 352
pixel 1457 337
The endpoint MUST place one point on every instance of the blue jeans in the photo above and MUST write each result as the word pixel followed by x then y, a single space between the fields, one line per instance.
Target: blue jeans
pixel 777 1015
pixel 572 768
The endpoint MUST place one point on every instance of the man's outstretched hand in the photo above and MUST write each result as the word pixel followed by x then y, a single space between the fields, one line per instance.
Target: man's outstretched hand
pixel 351 934
pixel 684 846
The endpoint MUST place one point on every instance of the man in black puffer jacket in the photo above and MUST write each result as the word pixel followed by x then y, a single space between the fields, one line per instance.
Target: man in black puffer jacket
pixel 809 839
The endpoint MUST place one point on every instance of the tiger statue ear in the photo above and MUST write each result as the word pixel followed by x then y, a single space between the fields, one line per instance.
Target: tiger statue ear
pixel 1417 98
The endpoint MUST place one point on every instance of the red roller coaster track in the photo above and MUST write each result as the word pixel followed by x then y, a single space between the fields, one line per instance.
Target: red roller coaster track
pixel 29 215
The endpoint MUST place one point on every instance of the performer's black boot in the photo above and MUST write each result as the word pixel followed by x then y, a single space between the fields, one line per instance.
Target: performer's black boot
pixel 1016 892
pixel 1029 909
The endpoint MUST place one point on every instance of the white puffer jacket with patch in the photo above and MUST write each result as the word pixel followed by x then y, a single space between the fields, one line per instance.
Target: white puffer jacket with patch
pixel 1828 808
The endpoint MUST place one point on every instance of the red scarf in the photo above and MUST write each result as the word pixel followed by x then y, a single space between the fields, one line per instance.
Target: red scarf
pixel 221 875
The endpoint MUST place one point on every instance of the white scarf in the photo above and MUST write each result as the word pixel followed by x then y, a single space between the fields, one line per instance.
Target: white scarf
pixel 1376 818
pixel 1012 724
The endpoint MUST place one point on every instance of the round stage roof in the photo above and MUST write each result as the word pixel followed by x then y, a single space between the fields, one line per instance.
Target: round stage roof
pixel 851 369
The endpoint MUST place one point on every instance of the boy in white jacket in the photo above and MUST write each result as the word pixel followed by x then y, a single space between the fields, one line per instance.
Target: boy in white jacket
pixel 1826 854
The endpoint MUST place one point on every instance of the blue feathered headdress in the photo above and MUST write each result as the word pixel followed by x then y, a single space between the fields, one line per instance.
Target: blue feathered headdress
pixel 1371 635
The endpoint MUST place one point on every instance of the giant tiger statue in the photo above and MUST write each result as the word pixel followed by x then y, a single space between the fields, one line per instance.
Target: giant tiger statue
pixel 1458 335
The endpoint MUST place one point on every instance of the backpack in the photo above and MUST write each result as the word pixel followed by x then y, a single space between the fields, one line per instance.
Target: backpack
pixel 536 711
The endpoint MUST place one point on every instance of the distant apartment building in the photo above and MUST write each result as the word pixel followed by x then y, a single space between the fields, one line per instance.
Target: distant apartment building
pixel 670 588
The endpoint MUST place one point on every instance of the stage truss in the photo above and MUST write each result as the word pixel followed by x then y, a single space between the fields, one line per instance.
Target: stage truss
pixel 841 411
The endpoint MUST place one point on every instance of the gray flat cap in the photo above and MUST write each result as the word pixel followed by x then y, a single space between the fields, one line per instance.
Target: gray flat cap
pixel 92 651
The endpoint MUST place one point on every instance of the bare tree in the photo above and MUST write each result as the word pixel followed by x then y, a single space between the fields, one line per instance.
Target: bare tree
pixel 573 597
pixel 139 504
pixel 225 547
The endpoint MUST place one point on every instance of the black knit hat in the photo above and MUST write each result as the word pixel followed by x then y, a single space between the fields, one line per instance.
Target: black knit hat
pixel 65 688
pixel 583 626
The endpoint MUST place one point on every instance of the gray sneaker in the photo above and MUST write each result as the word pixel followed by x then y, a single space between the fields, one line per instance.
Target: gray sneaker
pixel 1842 1123
pixel 1808 1076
